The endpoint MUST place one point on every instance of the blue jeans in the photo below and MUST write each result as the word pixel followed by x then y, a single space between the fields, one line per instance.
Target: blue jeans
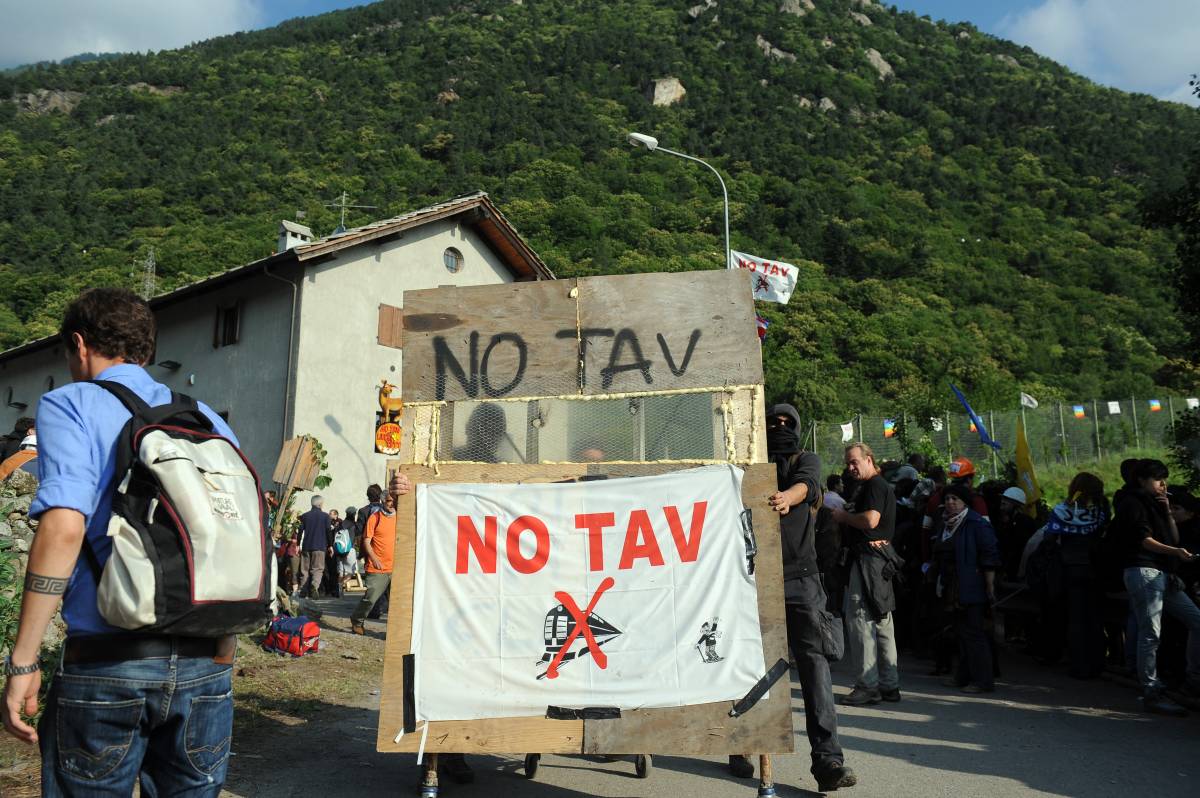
pixel 164 721
pixel 1150 593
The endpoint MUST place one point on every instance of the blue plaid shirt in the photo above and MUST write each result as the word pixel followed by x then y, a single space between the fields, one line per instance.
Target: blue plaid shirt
pixel 77 428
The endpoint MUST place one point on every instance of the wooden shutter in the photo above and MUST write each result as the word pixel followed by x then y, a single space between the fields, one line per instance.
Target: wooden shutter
pixel 391 327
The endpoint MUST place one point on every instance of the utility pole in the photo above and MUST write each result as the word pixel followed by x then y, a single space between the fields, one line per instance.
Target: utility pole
pixel 149 277
pixel 1137 435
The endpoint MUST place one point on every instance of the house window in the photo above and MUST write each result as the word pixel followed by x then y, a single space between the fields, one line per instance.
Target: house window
pixel 228 325
pixel 453 260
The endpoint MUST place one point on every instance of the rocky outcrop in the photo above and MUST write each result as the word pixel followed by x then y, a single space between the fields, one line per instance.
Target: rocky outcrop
pixel 160 91
pixel 804 102
pixel 861 19
pixel 771 51
pixel 797 7
pixel 827 42
pixel 666 91
pixel 826 105
pixel 695 11
pixel 448 96
pixel 47 101
pixel 1007 60
pixel 882 67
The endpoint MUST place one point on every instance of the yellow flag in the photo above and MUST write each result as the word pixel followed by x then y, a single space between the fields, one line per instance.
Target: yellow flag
pixel 1026 479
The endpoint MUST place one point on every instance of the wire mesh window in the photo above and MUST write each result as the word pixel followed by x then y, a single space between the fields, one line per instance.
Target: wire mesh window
pixel 638 429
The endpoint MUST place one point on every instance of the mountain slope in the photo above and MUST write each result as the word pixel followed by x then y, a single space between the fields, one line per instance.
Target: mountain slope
pixel 969 216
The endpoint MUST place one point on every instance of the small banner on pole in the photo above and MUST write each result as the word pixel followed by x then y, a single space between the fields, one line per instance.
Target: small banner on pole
pixel 773 280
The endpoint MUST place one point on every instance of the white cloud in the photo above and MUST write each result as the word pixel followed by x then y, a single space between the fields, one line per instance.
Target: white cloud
pixel 44 30
pixel 1147 46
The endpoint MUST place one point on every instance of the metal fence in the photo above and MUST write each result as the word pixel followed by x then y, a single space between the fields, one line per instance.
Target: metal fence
pixel 1069 433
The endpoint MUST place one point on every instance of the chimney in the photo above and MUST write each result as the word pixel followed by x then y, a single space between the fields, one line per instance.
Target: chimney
pixel 293 235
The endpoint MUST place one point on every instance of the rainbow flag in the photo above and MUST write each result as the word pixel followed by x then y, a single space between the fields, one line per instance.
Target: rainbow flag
pixel 889 428
pixel 1155 406
pixel 1079 411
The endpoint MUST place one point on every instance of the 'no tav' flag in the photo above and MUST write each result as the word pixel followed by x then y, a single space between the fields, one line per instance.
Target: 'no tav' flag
pixel 773 280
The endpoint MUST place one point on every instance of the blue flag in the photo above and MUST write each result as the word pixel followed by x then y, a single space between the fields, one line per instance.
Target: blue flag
pixel 984 438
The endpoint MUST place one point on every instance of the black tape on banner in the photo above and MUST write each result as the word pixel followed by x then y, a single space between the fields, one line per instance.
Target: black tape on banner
pixel 410 697
pixel 759 689
pixel 587 713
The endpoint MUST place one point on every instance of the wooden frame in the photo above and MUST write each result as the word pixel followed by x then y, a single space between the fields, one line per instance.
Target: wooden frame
pixel 542 310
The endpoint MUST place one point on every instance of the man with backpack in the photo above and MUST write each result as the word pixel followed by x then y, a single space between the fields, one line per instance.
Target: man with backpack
pixel 124 707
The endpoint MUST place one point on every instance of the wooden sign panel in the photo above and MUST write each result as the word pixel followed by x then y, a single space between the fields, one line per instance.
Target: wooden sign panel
pixel 296 467
pixel 596 335
pixel 705 729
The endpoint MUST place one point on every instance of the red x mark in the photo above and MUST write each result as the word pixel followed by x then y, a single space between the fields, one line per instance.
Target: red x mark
pixel 581 628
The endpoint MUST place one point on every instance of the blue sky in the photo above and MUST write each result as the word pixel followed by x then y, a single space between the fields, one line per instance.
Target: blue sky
pixel 1138 45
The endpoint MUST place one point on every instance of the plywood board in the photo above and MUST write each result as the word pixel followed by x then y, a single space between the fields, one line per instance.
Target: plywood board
pixel 597 335
pixel 500 340
pixel 695 730
pixel 688 329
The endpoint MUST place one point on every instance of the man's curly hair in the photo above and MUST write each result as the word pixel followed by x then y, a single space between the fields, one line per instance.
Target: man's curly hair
pixel 115 322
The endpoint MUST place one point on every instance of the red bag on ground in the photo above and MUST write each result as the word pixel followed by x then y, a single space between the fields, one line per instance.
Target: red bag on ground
pixel 294 636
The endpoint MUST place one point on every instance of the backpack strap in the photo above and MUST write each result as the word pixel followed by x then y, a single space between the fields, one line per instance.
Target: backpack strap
pixel 181 406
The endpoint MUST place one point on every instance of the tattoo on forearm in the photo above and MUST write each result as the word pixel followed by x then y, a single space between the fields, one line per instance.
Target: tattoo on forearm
pixel 51 586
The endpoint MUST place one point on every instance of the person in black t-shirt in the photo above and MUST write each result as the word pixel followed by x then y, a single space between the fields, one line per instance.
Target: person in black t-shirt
pixel 868 524
pixel 796 500
pixel 1149 539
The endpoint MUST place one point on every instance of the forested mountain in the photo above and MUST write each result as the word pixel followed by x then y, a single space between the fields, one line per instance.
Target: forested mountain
pixel 960 207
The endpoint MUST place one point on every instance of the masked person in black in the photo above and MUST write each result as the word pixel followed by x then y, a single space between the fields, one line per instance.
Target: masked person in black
pixel 797 501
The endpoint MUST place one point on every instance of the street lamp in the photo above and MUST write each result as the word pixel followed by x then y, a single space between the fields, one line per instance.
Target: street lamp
pixel 651 143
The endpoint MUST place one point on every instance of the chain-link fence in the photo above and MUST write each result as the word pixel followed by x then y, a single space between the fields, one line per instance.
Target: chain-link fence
pixel 1068 433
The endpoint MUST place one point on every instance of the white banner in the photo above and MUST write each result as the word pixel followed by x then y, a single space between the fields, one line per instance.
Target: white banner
pixel 848 432
pixel 773 280
pixel 1114 408
pixel 628 592
pixel 1028 401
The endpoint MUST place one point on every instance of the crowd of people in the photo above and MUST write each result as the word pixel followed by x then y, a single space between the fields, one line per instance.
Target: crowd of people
pixel 1104 584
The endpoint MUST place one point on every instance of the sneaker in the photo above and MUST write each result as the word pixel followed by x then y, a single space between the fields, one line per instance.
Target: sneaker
pixel 1158 704
pixel 741 767
pixel 836 778
pixel 861 697
pixel 891 696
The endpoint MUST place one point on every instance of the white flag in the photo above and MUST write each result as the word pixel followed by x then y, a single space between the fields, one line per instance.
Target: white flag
pixel 1028 401
pixel 1193 403
pixel 936 424
pixel 1114 408
pixel 773 280
pixel 848 432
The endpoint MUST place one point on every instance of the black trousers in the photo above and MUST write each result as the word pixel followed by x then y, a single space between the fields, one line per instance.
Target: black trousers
pixel 806 598
pixel 975 664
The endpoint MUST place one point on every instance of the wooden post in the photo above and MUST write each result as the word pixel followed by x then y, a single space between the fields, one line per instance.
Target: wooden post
pixel 1171 410
pixel 766 777
pixel 814 431
pixel 949 439
pixel 1062 432
pixel 859 417
pixel 1096 422
pixel 992 431
pixel 1137 435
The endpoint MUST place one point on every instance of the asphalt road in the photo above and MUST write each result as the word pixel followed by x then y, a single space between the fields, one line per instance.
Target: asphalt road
pixel 1041 733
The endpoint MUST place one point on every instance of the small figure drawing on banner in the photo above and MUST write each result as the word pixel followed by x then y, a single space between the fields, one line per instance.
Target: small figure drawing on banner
pixel 565 623
pixel 707 644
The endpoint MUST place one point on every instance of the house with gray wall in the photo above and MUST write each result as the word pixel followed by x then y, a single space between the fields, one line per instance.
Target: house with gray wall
pixel 299 342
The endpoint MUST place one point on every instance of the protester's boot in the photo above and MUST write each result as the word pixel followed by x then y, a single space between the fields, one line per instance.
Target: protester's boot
pixel 357 628
pixel 835 778
pixel 740 766
pixel 1156 703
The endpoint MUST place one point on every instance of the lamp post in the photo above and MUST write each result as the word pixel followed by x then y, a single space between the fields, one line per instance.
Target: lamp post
pixel 651 143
